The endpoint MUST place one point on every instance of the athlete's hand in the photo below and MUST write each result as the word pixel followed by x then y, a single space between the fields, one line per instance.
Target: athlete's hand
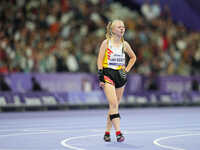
pixel 101 84
pixel 123 74
pixel 101 78
pixel 100 75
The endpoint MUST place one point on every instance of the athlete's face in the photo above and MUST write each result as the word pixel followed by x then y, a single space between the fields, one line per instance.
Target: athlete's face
pixel 118 28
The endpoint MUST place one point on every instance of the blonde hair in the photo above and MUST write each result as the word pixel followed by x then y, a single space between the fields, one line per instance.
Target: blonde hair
pixel 109 29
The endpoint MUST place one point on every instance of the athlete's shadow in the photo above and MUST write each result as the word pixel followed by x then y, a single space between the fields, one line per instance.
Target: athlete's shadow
pixel 123 145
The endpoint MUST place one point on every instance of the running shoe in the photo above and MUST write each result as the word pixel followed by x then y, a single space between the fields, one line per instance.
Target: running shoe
pixel 120 138
pixel 107 138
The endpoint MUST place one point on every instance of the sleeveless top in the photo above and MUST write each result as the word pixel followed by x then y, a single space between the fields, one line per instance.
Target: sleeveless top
pixel 114 57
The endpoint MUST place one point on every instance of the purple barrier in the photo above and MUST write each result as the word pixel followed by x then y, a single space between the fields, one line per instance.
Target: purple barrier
pixel 46 98
pixel 32 99
pixel 93 98
pixel 79 82
pixel 53 82
pixel 175 83
pixel 192 96
pixel 157 97
pixel 68 82
pixel 134 84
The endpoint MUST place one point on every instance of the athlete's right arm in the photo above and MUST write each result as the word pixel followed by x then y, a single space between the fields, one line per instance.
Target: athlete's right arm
pixel 101 55
pixel 100 62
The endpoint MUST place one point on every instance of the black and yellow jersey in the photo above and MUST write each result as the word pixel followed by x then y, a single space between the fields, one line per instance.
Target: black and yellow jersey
pixel 114 57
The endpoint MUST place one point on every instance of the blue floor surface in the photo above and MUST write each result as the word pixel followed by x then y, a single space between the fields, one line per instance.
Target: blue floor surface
pixel 175 128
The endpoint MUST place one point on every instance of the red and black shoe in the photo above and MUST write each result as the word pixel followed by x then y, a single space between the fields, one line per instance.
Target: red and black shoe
pixel 107 137
pixel 120 137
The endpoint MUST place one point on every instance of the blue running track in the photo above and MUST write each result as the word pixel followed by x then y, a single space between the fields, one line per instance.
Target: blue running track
pixel 168 128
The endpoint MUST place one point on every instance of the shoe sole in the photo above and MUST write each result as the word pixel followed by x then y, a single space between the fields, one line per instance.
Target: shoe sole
pixel 107 141
pixel 121 140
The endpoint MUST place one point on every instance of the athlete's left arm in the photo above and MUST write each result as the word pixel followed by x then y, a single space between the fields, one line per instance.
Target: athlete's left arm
pixel 131 54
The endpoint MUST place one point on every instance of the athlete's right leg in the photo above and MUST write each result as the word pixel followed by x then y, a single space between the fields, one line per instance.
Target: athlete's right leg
pixel 108 123
pixel 108 128
pixel 110 93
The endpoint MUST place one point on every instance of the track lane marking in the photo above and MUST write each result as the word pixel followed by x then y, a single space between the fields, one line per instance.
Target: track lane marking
pixel 156 141
pixel 64 142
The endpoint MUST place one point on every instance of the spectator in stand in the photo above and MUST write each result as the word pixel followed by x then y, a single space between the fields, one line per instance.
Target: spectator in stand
pixel 151 11
pixel 166 13
pixel 4 87
pixel 33 33
pixel 35 85
pixel 71 62
pixel 195 62
pixel 195 85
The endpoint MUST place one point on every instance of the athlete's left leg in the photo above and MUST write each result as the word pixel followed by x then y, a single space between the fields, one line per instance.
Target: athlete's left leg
pixel 119 93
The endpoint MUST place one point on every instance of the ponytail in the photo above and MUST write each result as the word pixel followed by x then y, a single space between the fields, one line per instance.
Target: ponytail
pixel 109 30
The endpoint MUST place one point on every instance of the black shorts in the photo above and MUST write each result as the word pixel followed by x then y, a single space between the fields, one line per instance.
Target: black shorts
pixel 112 76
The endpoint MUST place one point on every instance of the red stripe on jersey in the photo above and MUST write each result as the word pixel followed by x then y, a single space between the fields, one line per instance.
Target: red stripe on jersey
pixel 109 50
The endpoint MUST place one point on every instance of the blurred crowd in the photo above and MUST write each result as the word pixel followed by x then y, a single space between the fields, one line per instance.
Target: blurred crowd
pixel 64 36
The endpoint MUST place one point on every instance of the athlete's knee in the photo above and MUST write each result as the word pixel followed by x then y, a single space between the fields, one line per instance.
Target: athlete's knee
pixel 118 99
pixel 114 116
pixel 114 104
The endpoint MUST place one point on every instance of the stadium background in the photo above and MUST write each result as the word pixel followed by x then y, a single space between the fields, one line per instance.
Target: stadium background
pixel 48 52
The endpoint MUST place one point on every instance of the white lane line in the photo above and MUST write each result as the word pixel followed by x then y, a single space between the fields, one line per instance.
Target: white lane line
pixel 86 127
pixel 35 131
pixel 20 134
pixel 64 142
pixel 156 141
pixel 148 131
pixel 74 138
pixel 30 133
pixel 53 125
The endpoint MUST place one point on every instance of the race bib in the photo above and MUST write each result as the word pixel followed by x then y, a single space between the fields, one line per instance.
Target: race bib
pixel 117 59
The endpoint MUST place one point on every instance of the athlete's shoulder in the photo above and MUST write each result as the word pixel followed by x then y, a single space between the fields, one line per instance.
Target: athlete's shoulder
pixel 105 41
pixel 127 46
pixel 104 44
pixel 125 43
